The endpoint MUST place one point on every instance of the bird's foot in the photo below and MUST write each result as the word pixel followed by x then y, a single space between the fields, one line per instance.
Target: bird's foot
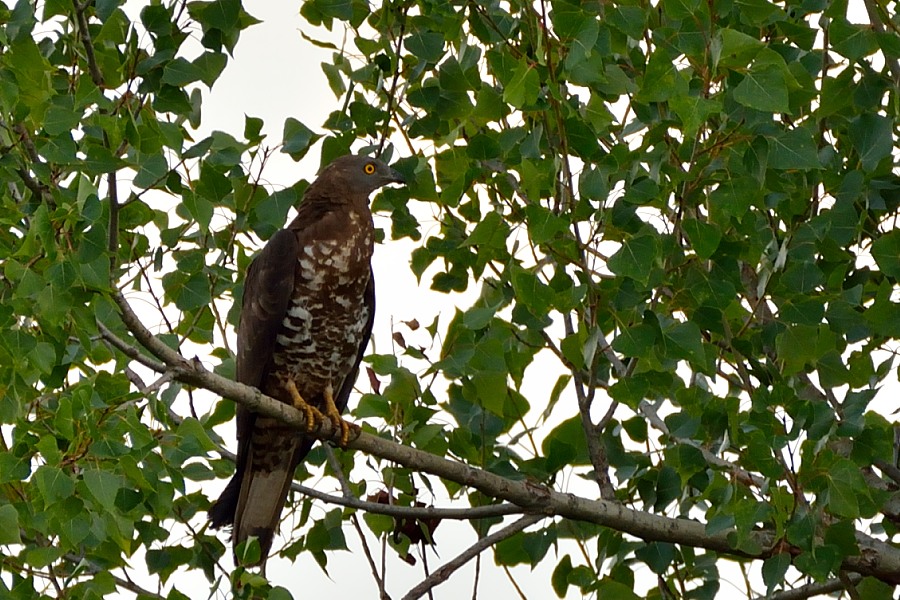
pixel 332 412
pixel 313 415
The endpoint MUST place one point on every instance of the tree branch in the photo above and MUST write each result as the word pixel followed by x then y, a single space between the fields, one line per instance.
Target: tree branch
pixel 348 501
pixel 742 475
pixel 85 35
pixel 875 18
pixel 812 589
pixel 877 558
pixel 130 351
pixel 444 573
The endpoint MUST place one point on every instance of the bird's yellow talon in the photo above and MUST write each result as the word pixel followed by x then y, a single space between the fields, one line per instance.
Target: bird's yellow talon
pixel 335 415
pixel 313 415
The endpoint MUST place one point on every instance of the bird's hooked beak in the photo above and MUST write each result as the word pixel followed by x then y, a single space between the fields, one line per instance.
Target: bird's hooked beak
pixel 396 176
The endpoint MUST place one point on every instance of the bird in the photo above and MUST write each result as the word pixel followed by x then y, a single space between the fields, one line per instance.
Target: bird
pixel 305 321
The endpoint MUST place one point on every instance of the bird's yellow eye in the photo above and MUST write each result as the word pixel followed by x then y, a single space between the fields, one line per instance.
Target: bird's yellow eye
pixel 369 168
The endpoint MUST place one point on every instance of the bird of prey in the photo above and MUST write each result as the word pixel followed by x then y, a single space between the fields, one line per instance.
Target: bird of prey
pixel 306 318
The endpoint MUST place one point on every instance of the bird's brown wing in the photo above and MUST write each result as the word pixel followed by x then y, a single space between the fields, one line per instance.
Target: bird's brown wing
pixel 267 293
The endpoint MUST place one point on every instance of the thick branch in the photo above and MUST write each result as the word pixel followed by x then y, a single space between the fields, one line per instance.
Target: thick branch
pixel 876 558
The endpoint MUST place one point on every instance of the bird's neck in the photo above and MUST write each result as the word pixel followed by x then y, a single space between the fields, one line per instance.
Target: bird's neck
pixel 316 204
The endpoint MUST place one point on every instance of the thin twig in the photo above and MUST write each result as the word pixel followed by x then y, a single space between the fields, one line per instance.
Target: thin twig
pixel 875 18
pixel 85 34
pixel 382 592
pixel 396 78
pixel 745 477
pixel 442 574
pixel 514 584
pixel 129 350
pixel 125 583
pixel 39 190
pixel 113 234
pixel 335 465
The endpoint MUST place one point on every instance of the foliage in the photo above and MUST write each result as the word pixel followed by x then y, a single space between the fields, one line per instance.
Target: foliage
pixel 685 213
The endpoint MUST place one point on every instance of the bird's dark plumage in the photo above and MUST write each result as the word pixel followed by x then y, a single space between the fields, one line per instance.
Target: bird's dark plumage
pixel 306 318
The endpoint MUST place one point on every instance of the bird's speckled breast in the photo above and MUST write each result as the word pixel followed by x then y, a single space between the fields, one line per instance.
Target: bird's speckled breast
pixel 326 318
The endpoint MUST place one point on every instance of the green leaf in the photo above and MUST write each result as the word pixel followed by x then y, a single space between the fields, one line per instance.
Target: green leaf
pixel 662 80
pixel 222 14
pixel 794 149
pixel 693 111
pixel 630 20
pixel 153 171
pixel 54 485
pixel 737 49
pixel 61 117
pixel 297 138
pixel 845 484
pixel 103 486
pixel 872 137
pixel 852 40
pixel 193 293
pixel 763 89
pixel 491 232
pixel 636 258
pixel 608 588
pixel 657 555
pixel 327 533
pixel 532 292
pixel 43 356
pixel 681 9
pixel 630 391
pixel 209 66
pixel 684 341
pixel 704 237
pixel 425 45
pixel 636 341
pixel 731 199
pixel 524 548
pixel 803 277
pixel 9 525
pixel 801 345
pixel 483 147
pixel 180 72
pixel 774 569
pixel 560 577
pixel 565 445
pixel 32 74
pixel 886 252
pixel 524 85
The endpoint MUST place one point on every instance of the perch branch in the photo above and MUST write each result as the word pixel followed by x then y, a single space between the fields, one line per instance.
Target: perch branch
pixel 877 559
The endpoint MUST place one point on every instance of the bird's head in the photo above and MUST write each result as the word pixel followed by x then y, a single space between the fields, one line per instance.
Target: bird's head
pixel 360 174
